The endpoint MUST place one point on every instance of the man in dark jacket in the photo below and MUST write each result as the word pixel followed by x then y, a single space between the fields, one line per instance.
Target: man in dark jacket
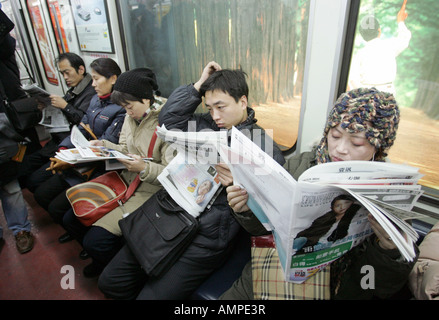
pixel 226 94
pixel 73 104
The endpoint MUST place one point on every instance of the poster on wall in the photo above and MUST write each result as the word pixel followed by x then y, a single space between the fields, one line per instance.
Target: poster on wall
pixel 43 42
pixel 92 27
pixel 57 24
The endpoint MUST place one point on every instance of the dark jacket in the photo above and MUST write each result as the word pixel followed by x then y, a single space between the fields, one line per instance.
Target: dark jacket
pixel 217 225
pixel 104 118
pixel 10 79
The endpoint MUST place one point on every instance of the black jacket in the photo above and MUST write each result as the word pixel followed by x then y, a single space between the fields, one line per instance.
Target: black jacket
pixel 218 227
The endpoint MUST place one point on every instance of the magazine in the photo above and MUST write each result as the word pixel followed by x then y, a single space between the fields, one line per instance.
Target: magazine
pixel 191 178
pixel 84 152
pixel 307 235
pixel 52 118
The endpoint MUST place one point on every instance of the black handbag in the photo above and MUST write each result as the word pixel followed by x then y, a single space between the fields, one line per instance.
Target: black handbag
pixel 158 233
pixel 24 113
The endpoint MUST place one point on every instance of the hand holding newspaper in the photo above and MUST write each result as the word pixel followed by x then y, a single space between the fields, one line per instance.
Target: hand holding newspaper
pixel 52 118
pixel 300 213
pixel 84 152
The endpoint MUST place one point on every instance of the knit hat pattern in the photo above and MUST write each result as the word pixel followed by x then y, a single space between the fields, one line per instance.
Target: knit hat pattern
pixel 364 110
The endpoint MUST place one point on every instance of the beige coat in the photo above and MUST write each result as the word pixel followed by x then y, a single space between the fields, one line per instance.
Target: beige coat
pixel 424 278
pixel 135 138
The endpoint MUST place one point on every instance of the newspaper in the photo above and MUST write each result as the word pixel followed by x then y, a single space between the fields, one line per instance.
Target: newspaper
pixel 299 212
pixel 84 152
pixel 191 178
pixel 52 118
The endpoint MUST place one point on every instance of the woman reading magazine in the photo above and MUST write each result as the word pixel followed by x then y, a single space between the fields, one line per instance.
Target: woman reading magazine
pixel 361 126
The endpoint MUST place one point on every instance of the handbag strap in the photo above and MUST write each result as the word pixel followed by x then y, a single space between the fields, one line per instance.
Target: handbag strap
pixel 133 185
pixel 87 128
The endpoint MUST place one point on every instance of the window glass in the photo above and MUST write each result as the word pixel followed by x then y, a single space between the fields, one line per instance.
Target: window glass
pixel 266 38
pixel 402 55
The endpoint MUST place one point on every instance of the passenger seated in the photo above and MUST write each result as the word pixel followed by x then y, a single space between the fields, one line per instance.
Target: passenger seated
pixel 134 90
pixel 226 97
pixel 105 120
pixel 361 126
pixel 73 105
pixel 424 278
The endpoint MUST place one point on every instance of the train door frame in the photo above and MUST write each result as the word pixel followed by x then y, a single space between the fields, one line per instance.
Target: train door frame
pixel 323 63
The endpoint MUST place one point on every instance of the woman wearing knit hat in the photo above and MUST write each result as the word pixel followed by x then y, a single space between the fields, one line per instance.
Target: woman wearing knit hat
pixel 136 91
pixel 361 126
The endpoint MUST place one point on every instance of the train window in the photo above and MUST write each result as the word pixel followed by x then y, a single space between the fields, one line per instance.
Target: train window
pixel 266 38
pixel 394 49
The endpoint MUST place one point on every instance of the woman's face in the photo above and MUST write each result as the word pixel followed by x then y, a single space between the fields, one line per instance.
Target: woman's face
pixel 345 146
pixel 340 206
pixel 102 85
pixel 205 187
pixel 136 109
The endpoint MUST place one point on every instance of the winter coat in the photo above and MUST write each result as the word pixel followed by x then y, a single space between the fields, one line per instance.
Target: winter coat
pixel 135 139
pixel 217 225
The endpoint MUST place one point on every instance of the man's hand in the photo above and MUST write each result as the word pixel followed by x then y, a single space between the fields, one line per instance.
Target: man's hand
pixel 208 70
pixel 57 101
pixel 402 14
pixel 237 198
pixel 224 174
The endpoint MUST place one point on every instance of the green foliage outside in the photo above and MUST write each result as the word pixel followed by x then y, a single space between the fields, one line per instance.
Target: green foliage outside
pixel 418 66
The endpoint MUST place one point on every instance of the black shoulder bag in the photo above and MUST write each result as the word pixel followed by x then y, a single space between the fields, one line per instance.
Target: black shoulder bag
pixel 158 233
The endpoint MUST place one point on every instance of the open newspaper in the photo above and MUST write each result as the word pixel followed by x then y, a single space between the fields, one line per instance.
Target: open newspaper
pixel 84 152
pixel 191 178
pixel 301 214
pixel 52 118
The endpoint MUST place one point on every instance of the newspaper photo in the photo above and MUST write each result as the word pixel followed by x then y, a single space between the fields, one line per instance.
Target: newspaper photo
pixel 324 214
pixel 192 185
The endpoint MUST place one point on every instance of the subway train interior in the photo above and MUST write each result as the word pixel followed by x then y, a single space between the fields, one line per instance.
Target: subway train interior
pixel 299 56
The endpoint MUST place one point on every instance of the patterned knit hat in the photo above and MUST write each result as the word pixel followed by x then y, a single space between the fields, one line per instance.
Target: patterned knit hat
pixel 364 109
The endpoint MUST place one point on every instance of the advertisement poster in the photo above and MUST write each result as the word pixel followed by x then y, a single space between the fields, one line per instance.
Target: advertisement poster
pixel 92 28
pixel 57 24
pixel 43 43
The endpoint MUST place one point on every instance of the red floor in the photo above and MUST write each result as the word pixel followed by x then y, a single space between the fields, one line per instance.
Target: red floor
pixel 36 275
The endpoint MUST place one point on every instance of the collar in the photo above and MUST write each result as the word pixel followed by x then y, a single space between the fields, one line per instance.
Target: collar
pixel 82 85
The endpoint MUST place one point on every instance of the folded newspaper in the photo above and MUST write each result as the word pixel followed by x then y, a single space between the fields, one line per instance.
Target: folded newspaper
pixel 324 214
pixel 191 178
pixel 52 118
pixel 84 152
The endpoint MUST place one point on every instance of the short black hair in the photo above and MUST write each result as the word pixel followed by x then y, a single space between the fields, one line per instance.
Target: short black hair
pixel 229 81
pixel 75 60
